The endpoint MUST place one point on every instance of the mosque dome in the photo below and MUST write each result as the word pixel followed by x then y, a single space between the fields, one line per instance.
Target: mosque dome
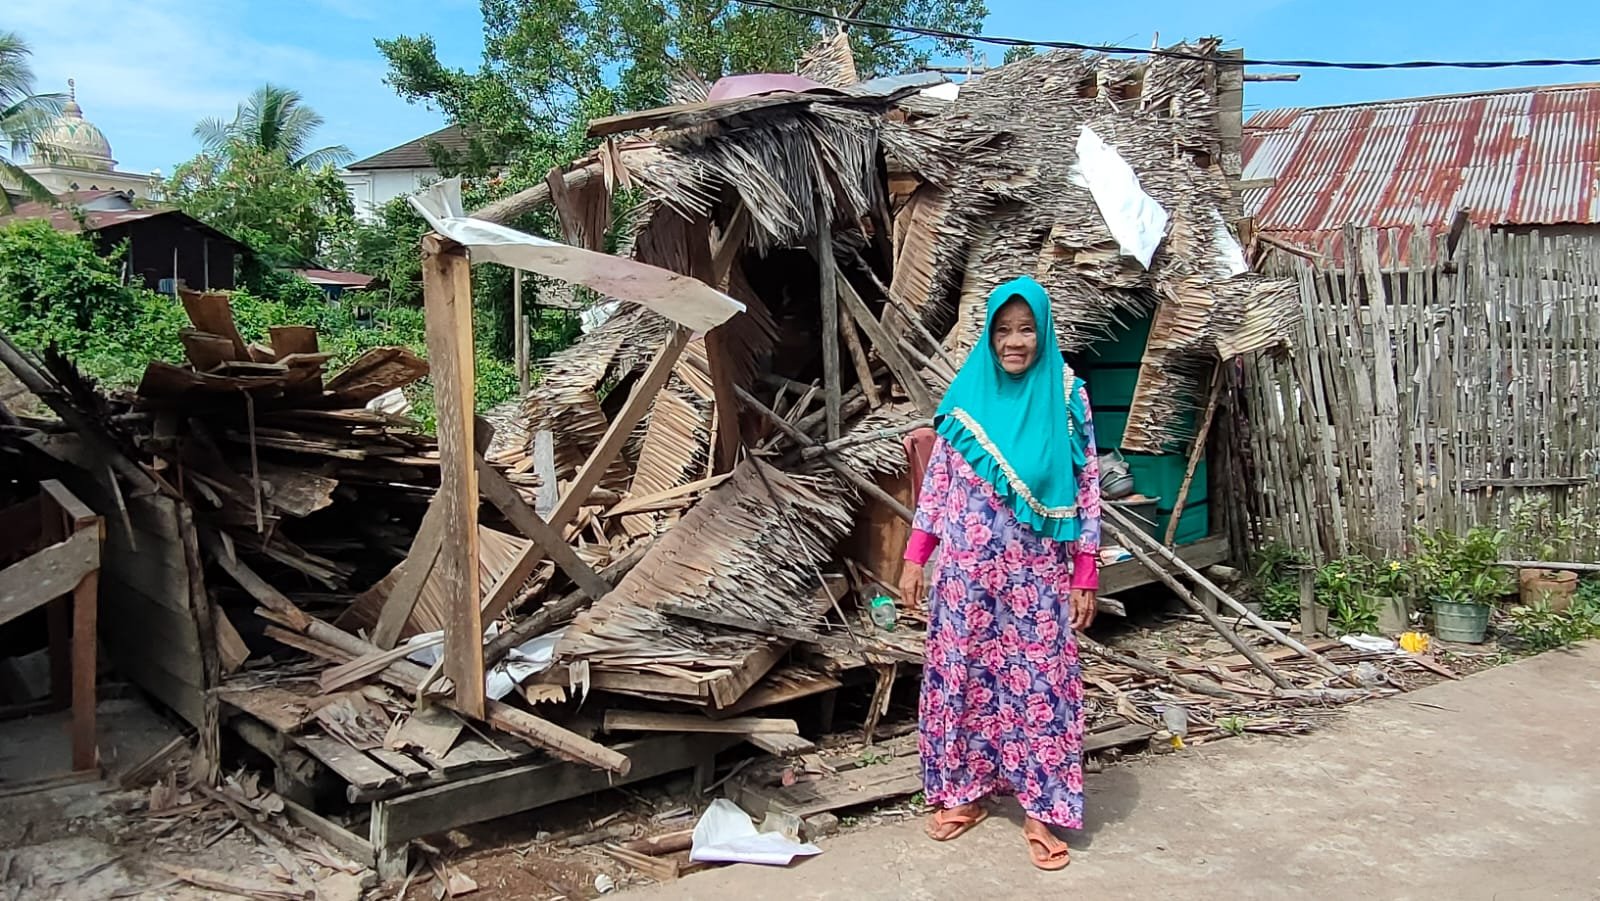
pixel 73 141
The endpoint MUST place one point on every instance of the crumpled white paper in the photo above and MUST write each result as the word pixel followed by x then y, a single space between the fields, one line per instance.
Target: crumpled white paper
pixel 687 301
pixel 520 663
pixel 1136 220
pixel 725 834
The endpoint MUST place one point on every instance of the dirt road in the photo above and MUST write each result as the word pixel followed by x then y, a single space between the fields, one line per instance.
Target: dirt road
pixel 1484 788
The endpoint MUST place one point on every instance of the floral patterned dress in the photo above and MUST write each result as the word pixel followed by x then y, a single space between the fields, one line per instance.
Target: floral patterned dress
pixel 1002 689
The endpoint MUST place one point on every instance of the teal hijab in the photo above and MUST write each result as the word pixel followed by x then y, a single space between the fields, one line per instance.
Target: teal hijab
pixel 1024 433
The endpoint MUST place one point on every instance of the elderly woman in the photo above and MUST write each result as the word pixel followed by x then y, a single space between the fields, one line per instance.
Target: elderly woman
pixel 1011 496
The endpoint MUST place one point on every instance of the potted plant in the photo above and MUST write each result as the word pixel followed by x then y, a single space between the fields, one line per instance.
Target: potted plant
pixel 1391 593
pixel 1540 534
pixel 1461 577
pixel 1341 589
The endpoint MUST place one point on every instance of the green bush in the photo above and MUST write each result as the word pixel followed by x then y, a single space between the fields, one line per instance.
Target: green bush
pixel 55 289
pixel 1539 628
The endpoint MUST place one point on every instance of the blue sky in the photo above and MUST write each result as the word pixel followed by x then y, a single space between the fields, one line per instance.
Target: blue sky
pixel 148 70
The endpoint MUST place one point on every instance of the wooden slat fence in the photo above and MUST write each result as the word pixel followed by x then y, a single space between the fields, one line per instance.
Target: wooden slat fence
pixel 1433 395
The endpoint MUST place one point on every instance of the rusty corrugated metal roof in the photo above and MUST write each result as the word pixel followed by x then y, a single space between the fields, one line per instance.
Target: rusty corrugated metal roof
pixel 1527 156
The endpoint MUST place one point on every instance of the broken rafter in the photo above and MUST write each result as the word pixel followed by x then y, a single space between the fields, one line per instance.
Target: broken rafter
pixel 644 394
pixel 804 440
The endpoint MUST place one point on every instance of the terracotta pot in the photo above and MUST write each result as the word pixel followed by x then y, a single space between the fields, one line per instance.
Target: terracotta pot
pixel 1552 586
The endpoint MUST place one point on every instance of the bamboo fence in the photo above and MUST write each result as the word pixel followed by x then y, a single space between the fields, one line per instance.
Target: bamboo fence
pixel 1430 395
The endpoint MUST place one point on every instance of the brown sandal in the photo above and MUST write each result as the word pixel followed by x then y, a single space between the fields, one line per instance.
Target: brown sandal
pixel 962 821
pixel 1044 857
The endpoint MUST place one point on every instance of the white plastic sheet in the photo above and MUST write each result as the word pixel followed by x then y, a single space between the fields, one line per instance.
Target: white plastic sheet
pixel 1136 220
pixel 687 301
pixel 725 834
pixel 520 663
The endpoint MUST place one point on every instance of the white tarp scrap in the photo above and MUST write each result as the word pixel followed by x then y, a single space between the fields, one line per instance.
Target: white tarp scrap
pixel 1136 220
pixel 725 834
pixel 1230 256
pixel 687 301
pixel 520 663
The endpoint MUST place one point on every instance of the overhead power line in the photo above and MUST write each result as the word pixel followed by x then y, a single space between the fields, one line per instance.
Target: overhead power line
pixel 1170 54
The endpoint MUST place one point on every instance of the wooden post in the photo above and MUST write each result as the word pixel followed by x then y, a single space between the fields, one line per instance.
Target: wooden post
pixel 447 299
pixel 858 356
pixel 1196 452
pixel 827 274
pixel 1387 483
pixel 519 322
pixel 888 348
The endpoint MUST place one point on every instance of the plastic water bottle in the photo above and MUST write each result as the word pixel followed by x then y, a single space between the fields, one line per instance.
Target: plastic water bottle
pixel 883 612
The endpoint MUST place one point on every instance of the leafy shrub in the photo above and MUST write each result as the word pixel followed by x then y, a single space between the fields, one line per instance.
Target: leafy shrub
pixel 1462 569
pixel 1539 628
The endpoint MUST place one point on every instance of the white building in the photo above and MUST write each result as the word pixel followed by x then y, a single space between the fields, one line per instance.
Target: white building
pixel 398 171
pixel 79 157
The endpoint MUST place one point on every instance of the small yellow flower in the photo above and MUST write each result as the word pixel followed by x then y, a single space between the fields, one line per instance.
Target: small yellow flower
pixel 1394 566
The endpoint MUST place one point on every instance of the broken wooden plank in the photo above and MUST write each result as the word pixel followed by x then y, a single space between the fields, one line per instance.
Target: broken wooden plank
pixel 670 499
pixel 231 649
pixel 414 570
pixel 369 665
pixel 432 730
pixel 332 643
pixel 447 297
pixel 781 744
pixel 858 358
pixel 205 350
pixel 379 370
pixel 506 792
pixel 292 339
pixel 642 721
pixel 212 312
pixel 354 767
pixel 257 587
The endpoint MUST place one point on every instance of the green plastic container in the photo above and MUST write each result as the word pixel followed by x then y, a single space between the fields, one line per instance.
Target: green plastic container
pixel 1460 622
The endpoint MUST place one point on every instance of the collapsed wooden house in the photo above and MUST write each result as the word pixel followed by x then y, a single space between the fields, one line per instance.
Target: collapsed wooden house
pixel 703 513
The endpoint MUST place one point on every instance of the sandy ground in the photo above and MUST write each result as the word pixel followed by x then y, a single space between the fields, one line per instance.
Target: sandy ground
pixel 1484 788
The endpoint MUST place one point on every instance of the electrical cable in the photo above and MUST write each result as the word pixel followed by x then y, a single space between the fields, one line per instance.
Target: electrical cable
pixel 946 34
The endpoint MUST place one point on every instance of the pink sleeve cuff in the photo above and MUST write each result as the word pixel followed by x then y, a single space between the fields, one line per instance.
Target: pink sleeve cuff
pixel 1086 571
pixel 920 547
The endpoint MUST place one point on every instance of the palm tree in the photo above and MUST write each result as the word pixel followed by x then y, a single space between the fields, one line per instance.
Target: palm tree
pixel 24 118
pixel 273 119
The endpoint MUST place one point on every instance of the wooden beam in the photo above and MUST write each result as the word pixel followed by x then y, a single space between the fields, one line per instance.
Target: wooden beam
pixel 858 357
pixel 507 209
pixel 260 589
pixel 48 574
pixel 644 394
pixel 414 570
pixel 643 721
pixel 505 497
pixel 1196 452
pixel 828 275
pixel 719 359
pixel 447 300
pixel 887 348
pixel 434 810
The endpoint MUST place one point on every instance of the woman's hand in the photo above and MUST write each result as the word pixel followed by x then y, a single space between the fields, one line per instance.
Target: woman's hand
pixel 1083 609
pixel 913 586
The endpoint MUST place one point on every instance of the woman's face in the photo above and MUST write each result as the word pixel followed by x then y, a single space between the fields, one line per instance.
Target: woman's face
pixel 1015 336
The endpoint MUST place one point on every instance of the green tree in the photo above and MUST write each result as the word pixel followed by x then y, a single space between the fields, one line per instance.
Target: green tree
pixel 549 67
pixel 286 213
pixel 24 119
pixel 273 119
